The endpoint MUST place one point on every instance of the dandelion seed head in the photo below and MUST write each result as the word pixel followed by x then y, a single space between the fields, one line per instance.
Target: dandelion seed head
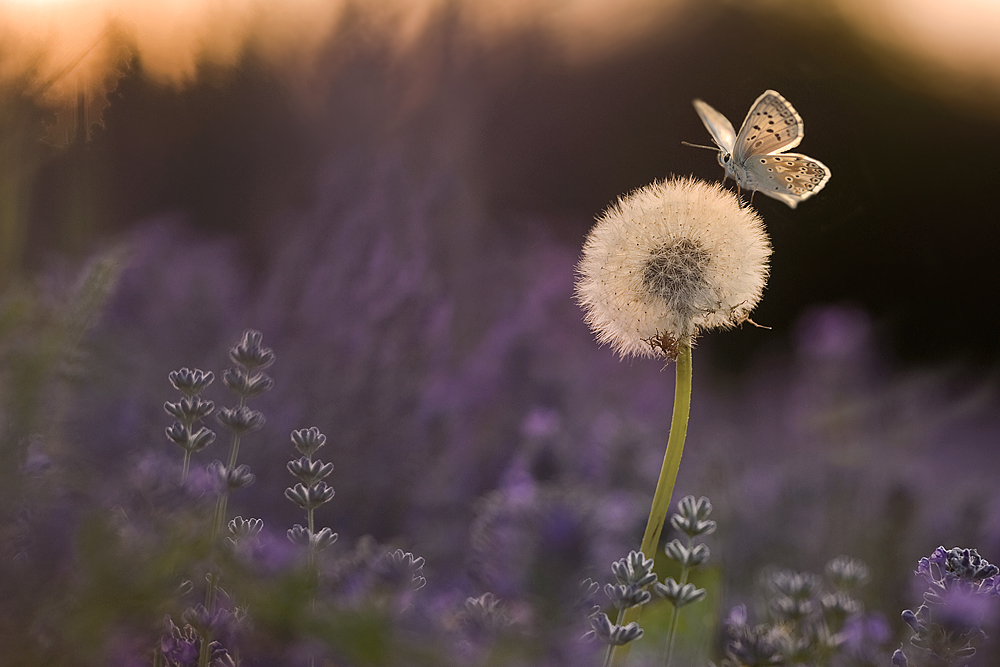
pixel 671 259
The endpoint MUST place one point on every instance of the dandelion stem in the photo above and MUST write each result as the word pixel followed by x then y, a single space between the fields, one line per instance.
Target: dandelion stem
pixel 672 458
pixel 668 472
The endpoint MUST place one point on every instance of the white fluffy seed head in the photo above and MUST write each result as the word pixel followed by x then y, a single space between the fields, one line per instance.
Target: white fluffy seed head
pixel 668 261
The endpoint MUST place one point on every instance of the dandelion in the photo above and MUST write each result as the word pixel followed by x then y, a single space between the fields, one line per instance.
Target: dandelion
pixel 668 261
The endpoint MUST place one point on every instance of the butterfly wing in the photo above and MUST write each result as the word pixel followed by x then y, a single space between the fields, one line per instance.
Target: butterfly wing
pixel 718 126
pixel 788 177
pixel 771 126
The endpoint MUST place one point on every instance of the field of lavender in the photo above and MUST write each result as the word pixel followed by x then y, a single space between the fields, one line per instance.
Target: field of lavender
pixel 292 371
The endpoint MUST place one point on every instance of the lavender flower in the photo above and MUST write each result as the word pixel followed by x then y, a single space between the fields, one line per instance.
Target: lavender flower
pixel 240 419
pixel 246 382
pixel 188 411
pixel 311 491
pixel 634 575
pixel 402 569
pixel 752 646
pixel 190 382
pixel 243 532
pixel 691 519
pixel 608 633
pixel 250 353
pixel 181 647
pixel 308 440
pixel 809 620
pixel 961 597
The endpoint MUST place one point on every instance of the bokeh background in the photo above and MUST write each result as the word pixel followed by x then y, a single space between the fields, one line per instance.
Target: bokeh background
pixel 396 193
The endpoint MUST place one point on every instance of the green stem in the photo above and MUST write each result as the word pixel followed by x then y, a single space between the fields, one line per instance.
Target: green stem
pixel 311 566
pixel 675 617
pixel 671 632
pixel 186 467
pixel 310 556
pixel 234 449
pixel 668 473
pixel 611 647
pixel 220 516
pixel 217 520
pixel 220 506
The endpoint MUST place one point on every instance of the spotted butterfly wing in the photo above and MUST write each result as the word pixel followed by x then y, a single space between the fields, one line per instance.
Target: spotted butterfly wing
pixel 771 126
pixel 788 177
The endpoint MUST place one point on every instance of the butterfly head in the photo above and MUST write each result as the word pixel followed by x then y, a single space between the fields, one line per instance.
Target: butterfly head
pixel 724 157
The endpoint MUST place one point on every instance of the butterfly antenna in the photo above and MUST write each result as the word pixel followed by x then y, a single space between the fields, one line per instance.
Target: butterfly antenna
pixel 711 148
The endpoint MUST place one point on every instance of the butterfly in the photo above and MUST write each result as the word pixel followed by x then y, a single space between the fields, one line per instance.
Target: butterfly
pixel 755 157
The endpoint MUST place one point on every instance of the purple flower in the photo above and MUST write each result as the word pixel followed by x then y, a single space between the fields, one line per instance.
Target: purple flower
pixel 180 646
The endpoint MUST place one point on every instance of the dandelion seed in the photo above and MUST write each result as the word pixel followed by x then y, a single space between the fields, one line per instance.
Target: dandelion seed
pixel 668 261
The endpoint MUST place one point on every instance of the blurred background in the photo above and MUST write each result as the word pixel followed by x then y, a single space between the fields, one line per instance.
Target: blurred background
pixel 395 193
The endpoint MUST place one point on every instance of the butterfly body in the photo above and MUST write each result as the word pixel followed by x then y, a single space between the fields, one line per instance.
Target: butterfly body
pixel 755 157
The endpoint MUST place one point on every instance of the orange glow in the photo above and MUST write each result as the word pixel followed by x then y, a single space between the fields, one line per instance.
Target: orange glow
pixel 961 33
pixel 957 41
pixel 50 39
pixel 63 44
